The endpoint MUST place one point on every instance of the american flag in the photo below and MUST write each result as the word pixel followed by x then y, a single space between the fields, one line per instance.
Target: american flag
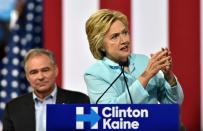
pixel 26 34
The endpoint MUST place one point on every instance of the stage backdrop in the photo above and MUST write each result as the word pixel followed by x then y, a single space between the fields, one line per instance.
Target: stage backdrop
pixel 153 24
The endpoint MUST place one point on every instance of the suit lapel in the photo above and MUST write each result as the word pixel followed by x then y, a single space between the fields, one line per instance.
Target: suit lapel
pixel 62 97
pixel 30 112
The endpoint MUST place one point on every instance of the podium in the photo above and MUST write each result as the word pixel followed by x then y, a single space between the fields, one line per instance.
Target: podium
pixel 141 117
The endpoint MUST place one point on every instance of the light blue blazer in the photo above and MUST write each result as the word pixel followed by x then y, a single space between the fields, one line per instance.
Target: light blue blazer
pixel 101 74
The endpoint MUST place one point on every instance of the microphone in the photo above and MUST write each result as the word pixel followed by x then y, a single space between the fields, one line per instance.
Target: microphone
pixel 109 87
pixel 122 65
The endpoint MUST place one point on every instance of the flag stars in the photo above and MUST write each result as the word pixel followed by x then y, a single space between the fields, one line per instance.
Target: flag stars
pixel 4 83
pixel 2 105
pixel 22 75
pixel 7 49
pixel 37 39
pixel 25 34
pixel 22 86
pixel 14 95
pixel 30 6
pixel 5 60
pixel 29 16
pixel 23 41
pixel 4 71
pixel 16 50
pixel 15 61
pixel 14 84
pixel 23 52
pixel 3 94
pixel 29 27
pixel 16 38
pixel 15 73
pixel 30 89
pixel 28 37
pixel 38 8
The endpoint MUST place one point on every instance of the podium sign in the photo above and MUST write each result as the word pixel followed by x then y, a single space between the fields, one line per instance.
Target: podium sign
pixel 141 117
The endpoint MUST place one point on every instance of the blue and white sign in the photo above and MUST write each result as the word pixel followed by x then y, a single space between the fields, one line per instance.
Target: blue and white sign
pixel 147 117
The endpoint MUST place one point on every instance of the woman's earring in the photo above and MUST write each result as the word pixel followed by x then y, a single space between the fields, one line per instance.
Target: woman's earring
pixel 102 49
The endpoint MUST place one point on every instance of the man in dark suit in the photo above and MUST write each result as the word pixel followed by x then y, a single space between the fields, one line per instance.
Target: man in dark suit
pixel 28 112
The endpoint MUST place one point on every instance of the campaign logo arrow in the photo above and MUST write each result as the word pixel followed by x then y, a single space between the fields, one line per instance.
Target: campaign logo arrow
pixel 93 117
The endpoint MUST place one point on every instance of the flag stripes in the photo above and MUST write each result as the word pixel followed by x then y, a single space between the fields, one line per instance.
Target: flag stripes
pixel 53 31
pixel 184 37
pixel 121 5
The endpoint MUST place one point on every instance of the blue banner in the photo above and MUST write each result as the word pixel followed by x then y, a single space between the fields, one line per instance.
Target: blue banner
pixel 141 117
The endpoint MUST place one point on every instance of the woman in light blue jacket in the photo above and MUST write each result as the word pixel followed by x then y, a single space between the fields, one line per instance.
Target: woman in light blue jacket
pixel 121 77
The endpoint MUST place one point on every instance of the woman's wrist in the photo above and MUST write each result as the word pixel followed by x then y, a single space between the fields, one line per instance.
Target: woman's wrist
pixel 144 78
pixel 170 78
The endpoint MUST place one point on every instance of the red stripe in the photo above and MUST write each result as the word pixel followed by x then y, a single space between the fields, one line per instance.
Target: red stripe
pixel 120 5
pixel 53 31
pixel 184 39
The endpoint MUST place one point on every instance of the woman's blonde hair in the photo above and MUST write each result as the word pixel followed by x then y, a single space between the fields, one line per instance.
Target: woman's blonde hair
pixel 98 25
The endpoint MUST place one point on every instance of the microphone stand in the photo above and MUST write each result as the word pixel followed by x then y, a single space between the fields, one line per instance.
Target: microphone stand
pixel 109 87
pixel 122 72
pixel 122 67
